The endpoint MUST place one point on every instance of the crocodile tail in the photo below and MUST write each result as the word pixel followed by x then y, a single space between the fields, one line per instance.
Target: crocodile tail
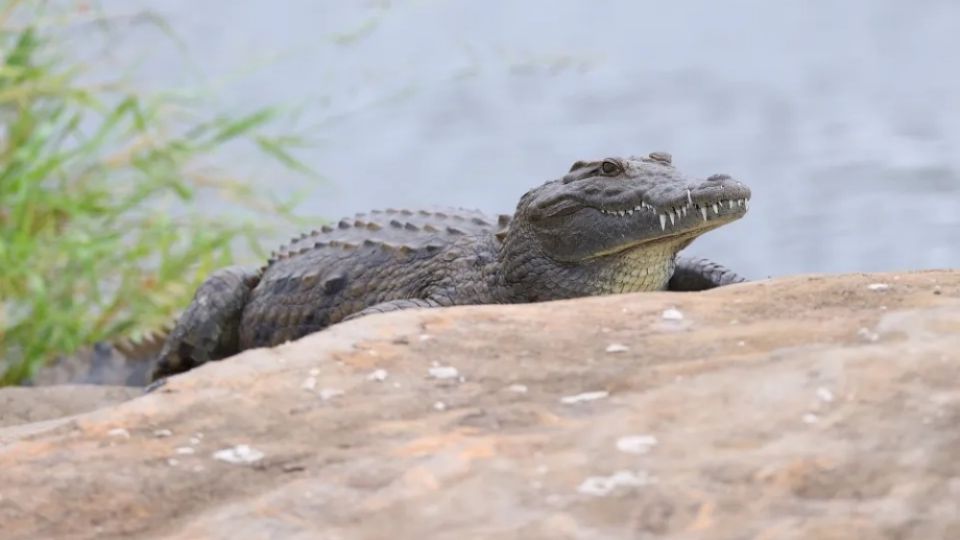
pixel 143 347
pixel 127 362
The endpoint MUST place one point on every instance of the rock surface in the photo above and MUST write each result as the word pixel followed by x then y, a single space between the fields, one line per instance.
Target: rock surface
pixel 24 405
pixel 822 407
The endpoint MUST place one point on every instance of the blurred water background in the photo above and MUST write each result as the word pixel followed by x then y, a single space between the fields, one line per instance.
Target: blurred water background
pixel 843 117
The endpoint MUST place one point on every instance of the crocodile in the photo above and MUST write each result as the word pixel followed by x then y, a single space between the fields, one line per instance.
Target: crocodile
pixel 607 226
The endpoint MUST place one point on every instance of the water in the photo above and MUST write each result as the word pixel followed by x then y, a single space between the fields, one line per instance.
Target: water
pixel 844 117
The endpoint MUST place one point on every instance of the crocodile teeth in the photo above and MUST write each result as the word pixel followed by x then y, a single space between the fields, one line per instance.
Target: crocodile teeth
pixel 746 204
pixel 673 218
pixel 716 208
pixel 703 212
pixel 730 204
pixel 621 213
pixel 689 197
pixel 663 222
pixel 739 202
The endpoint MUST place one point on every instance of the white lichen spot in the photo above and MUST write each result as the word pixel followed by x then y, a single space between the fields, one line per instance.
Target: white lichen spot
pixel 617 348
pixel 440 406
pixel 314 372
pixel 672 314
pixel 184 450
pixel 636 444
pixel 173 462
pixel 825 394
pixel 329 393
pixel 309 384
pixel 161 433
pixel 443 372
pixel 424 337
pixel 878 286
pixel 378 375
pixel 239 454
pixel 810 418
pixel 741 343
pixel 586 396
pixel 868 334
pixel 119 432
pixel 941 398
pixel 600 486
pixel 518 388
pixel 194 440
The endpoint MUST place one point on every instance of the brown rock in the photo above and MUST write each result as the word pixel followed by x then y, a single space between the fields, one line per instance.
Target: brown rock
pixel 24 405
pixel 823 407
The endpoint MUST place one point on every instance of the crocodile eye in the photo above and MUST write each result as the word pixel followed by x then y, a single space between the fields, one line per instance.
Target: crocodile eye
pixel 610 167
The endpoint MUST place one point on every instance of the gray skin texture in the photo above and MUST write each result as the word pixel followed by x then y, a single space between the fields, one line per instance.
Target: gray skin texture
pixel 608 226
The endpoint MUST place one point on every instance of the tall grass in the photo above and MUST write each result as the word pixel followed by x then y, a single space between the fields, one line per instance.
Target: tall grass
pixel 102 229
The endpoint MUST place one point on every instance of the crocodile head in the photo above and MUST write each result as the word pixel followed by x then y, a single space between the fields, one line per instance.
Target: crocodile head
pixel 622 217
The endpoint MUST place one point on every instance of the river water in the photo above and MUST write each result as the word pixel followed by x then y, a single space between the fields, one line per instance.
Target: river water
pixel 843 117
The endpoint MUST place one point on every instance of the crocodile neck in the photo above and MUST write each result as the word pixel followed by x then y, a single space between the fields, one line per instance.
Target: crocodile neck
pixel 527 274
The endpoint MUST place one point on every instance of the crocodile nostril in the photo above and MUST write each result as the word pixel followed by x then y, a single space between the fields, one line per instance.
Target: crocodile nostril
pixel 612 192
pixel 662 157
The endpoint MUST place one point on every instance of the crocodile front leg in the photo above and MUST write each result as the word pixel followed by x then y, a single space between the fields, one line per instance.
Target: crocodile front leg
pixel 701 274
pixel 209 328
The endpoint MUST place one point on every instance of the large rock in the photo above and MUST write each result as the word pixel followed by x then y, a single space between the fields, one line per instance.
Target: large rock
pixel 27 405
pixel 809 407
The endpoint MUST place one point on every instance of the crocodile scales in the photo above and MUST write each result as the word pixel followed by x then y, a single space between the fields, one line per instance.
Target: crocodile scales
pixel 608 226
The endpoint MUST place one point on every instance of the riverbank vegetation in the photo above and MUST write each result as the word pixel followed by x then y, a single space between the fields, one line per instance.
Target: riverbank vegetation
pixel 103 188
